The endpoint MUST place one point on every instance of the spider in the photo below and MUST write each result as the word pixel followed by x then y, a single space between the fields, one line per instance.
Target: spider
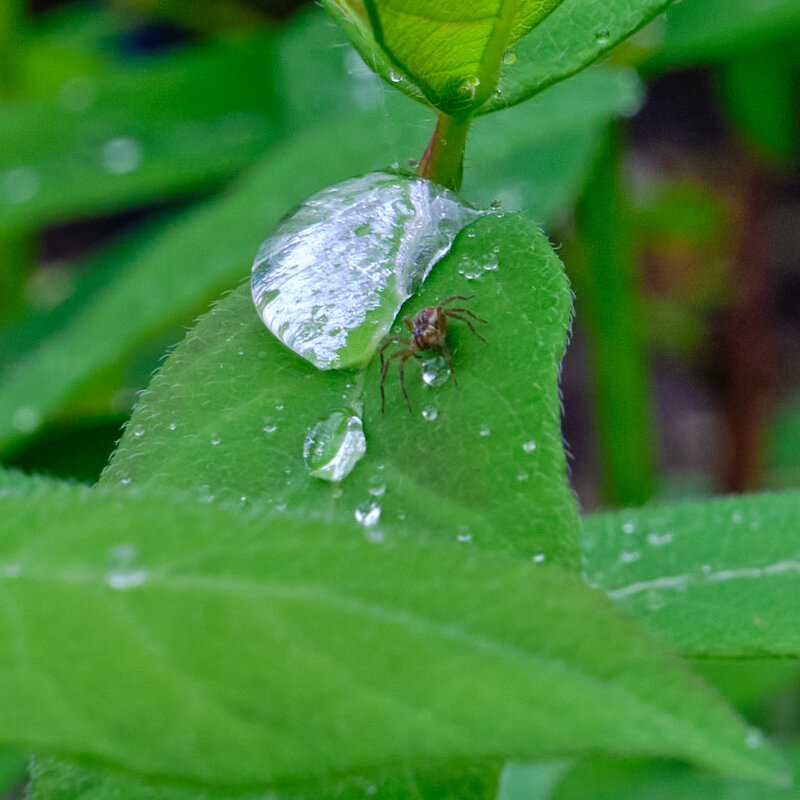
pixel 428 330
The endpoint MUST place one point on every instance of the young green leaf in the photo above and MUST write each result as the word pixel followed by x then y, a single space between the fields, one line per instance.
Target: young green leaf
pixel 481 462
pixel 717 578
pixel 451 51
pixel 280 649
pixel 576 34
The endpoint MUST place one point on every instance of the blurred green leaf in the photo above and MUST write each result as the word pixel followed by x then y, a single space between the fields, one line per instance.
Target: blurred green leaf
pixel 279 648
pixel 759 91
pixel 628 779
pixel 13 764
pixel 719 578
pixel 482 462
pixel 183 122
pixel 711 30
pixel 441 779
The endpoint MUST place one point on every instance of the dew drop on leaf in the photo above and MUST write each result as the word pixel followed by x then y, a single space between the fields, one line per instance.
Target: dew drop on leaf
pixel 332 275
pixel 334 446
pixel 435 371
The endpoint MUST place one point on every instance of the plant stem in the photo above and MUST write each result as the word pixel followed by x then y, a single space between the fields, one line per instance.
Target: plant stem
pixel 608 306
pixel 15 251
pixel 443 161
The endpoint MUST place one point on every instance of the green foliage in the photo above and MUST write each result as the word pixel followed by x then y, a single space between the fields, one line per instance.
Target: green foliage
pixel 280 648
pixel 482 461
pixel 713 578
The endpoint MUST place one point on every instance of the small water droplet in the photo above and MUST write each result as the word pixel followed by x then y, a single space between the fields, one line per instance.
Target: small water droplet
pixel 395 77
pixel 659 541
pixel 469 87
pixel 270 427
pixel 215 440
pixel 125 481
pixel 122 155
pixel 172 426
pixel 523 476
pixel 367 514
pixel 20 184
pixel 377 491
pixel 629 556
pixel 603 36
pixel 138 430
pixel 736 517
pixel 334 446
pixel 435 371
pixel 413 163
pixel 485 430
pixel 464 537
pixel 495 205
pixel 755 738
pixel 539 558
pixel 628 527
pixel 430 413
pixel 509 57
pixel 126 579
pixel 529 447
pixel 26 419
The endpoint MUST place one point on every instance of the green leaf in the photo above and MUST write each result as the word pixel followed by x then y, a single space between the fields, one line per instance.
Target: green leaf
pixel 629 779
pixel 576 34
pixel 710 30
pixel 58 779
pixel 280 649
pixel 13 763
pixel 530 781
pixel 452 51
pixel 108 142
pixel 715 578
pixel 482 461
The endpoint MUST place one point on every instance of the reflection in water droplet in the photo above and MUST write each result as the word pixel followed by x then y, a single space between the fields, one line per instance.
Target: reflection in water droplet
pixel 539 558
pixel 485 430
pixel 124 573
pixel 435 371
pixel 659 541
pixel 469 87
pixel 138 430
pixel 320 276
pixel 628 557
pixel 603 36
pixel 172 426
pixel 122 155
pixel 529 447
pixel 464 537
pixel 395 77
pixel 270 427
pixel 215 440
pixel 509 57
pixel 20 185
pixel 368 514
pixel 430 413
pixel 334 446
pixel 126 579
pixel 628 527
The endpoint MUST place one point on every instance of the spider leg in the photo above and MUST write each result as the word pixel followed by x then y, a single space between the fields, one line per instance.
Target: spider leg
pixel 469 324
pixel 390 340
pixel 449 312
pixel 409 324
pixel 403 360
pixel 385 368
pixel 455 297
pixel 449 361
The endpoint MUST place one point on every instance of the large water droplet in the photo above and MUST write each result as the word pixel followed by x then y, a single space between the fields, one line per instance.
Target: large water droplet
pixel 20 185
pixel 435 371
pixel 334 446
pixel 331 277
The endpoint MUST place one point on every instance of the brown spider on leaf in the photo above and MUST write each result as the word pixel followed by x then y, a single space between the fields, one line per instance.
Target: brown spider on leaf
pixel 429 329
